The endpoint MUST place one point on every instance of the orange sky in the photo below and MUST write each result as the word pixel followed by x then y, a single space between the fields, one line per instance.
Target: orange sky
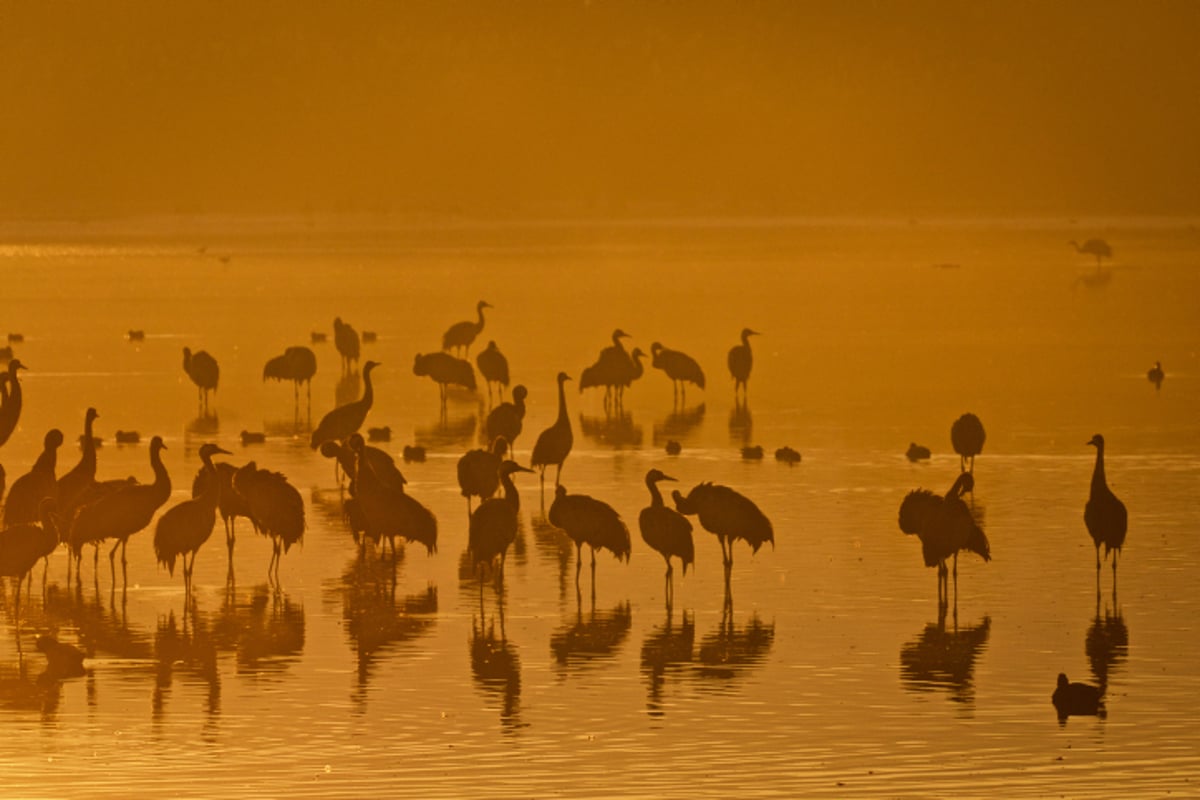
pixel 500 109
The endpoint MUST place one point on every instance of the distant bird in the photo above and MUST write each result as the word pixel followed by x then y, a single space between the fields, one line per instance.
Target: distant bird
pixel 387 510
pixel 740 361
pixel 1093 247
pixel 666 530
pixel 674 448
pixel 383 434
pixel 916 452
pixel 413 453
pixel 554 444
pixel 369 337
pixel 24 544
pixel 253 437
pixel 493 526
pixel 74 484
pixel 1155 375
pixel 186 526
pixel 506 419
pixel 345 339
pixel 16 338
pixel 945 526
pixel 27 492
pixel 127 437
pixel 318 337
pixel 1076 699
pixel 347 419
pixel 298 365
pixel 967 437
pixel 1104 514
pixel 589 521
pixel 610 370
pixel 752 452
pixel 10 408
pixel 493 366
pixel 62 660
pixel 137 335
pixel 445 370
pixel 681 368
pixel 121 512
pixel 460 335
pixel 728 514
pixel 276 506
pixel 203 370
pixel 479 471
pixel 788 456
pixel 230 504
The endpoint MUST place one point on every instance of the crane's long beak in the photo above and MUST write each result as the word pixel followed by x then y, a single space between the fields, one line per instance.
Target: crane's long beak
pixel 223 450
pixel 668 478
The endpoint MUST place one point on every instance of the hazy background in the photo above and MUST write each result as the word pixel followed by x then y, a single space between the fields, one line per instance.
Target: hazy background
pixel 501 110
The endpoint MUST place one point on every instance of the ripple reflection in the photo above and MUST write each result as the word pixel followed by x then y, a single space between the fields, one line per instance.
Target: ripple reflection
pixel 944 659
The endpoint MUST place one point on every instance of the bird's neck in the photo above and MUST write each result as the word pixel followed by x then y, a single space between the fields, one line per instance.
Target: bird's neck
pixel 162 479
pixel 510 490
pixel 1098 481
pixel 479 311
pixel 368 392
pixel 656 499
pixel 562 402
pixel 637 365
pixel 212 492
pixel 89 445
pixel 47 461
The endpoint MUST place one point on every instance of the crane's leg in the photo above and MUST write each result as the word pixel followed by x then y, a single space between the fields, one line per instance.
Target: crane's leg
pixel 112 561
pixel 124 563
pixel 557 474
pixel 578 562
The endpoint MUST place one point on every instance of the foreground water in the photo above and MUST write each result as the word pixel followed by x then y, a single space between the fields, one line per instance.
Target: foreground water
pixel 832 673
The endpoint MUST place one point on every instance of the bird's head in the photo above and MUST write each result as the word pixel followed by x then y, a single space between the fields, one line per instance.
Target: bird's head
pixel 747 333
pixel 370 365
pixel 15 365
pixel 520 392
pixel 499 446
pixel 1096 441
pixel 330 448
pixel 92 414
pixel 208 450
pixel 654 348
pixel 53 439
pixel 356 442
pixel 157 444
pixel 619 334
pixel 482 304
pixel 562 377
pixel 655 475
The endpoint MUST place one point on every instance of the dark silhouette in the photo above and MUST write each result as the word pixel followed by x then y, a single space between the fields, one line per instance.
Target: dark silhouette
pixel 345 339
pixel 413 454
pixel 666 530
pixel 581 642
pixel 741 423
pixel 496 668
pixel 788 456
pixel 729 650
pixel 554 444
pixel 493 366
pixel 62 660
pixel 1155 375
pixel 186 526
pixel 460 335
pixel 127 437
pixel 479 471
pixel 1104 514
pixel 370 337
pixel 27 492
pixel 203 370
pixel 1077 699
pixel 611 370
pixel 944 659
pixel 679 424
pixel 506 419
pixel 673 447
pixel 681 368
pixel 967 437
pixel 121 512
pixel 592 522
pixel 277 508
pixel 298 365
pixel 136 335
pixel 318 337
pixel 741 361
pixel 75 483
pixel 493 526
pixel 23 545
pixel 383 434
pixel 752 452
pixel 387 511
pixel 230 504
pixel 1093 247
pixel 945 526
pixel 445 370
pixel 346 419
pixel 616 429
pixel 1106 644
pixel 666 650
pixel 10 405
pixel 253 437
pixel 916 452
pixel 728 514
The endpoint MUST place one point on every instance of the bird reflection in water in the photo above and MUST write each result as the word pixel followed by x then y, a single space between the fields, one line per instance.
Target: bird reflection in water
pixel 1107 643
pixel 741 424
pixel 730 650
pixel 496 666
pixel 189 651
pixel 20 692
pixel 264 627
pixel 666 650
pixel 348 388
pixel 204 427
pixel 554 548
pixel 944 659
pixel 616 430
pixel 590 640
pixel 679 424
pixel 376 621
pixel 448 432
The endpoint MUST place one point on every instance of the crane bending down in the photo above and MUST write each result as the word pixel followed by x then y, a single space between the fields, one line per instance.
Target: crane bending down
pixel 592 522
pixel 277 507
pixel 681 368
pixel 945 526
pixel 298 365
pixel 967 436
pixel 729 515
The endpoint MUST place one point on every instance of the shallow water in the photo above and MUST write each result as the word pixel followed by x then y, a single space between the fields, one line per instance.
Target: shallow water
pixel 831 674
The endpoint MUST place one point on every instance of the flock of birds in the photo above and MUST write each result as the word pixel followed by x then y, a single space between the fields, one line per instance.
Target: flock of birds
pixel 44 510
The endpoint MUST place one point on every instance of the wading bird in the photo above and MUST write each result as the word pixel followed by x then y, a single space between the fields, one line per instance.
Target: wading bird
pixel 493 366
pixel 1093 247
pixel 730 516
pixel 589 521
pixel 460 335
pixel 230 504
pixel 554 444
pixel 445 370
pixel 479 471
pixel 10 406
pixel 666 530
pixel 387 510
pixel 277 508
pixel 967 436
pixel 185 527
pixel 1104 515
pixel 74 484
pixel 1155 375
pixel 506 419
pixel 346 419
pixel 23 545
pixel 345 339
pixel 610 370
pixel 203 370
pixel 741 361
pixel 681 368
pixel 945 526
pixel 493 526
pixel 28 491
pixel 298 365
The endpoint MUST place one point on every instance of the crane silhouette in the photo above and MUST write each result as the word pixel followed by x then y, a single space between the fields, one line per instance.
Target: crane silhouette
pixel 186 526
pixel 967 436
pixel 729 515
pixel 276 506
pixel 1105 515
pixel 121 512
pixel 610 370
pixel 75 483
pixel 681 368
pixel 666 530
pixel 741 361
pixel 506 419
pixel 589 521
pixel 345 339
pixel 10 406
pixel 445 370
pixel 460 335
pixel 1093 247
pixel 493 526
pixel 24 544
pixel 554 444
pixel 347 419
pixel 945 526
pixel 387 510
pixel 479 471
pixel 230 504
pixel 298 365
pixel 203 370
pixel 26 494
pixel 1155 375
pixel 493 366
